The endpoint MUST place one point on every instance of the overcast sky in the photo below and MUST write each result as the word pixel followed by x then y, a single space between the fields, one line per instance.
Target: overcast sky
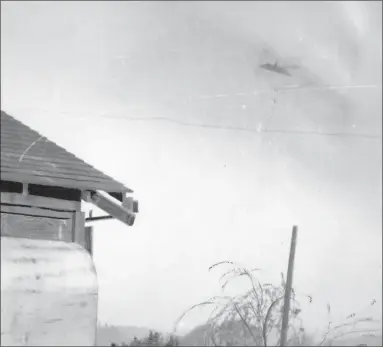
pixel 169 98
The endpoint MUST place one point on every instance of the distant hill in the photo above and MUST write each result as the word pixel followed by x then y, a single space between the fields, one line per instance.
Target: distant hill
pixel 106 334
pixel 360 340
pixel 232 332
pixel 196 337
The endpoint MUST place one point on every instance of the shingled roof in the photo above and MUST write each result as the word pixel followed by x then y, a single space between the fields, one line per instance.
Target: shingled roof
pixel 29 157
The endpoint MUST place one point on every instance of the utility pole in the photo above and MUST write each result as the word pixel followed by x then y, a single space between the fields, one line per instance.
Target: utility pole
pixel 288 289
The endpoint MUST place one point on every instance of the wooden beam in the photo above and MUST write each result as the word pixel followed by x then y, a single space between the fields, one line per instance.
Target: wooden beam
pixel 79 176
pixel 89 239
pixel 33 211
pixel 25 189
pixel 63 182
pixel 39 201
pixel 111 207
pixel 36 227
pixel 79 229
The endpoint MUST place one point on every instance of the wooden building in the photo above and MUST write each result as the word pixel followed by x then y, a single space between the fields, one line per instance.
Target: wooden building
pixel 49 284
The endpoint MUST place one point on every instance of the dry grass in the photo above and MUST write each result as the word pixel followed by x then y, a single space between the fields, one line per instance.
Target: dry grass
pixel 255 317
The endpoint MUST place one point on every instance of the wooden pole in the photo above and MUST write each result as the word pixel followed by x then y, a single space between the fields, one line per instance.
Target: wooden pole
pixel 288 289
pixel 89 239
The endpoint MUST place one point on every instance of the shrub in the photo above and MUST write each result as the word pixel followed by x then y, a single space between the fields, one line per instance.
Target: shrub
pixel 253 318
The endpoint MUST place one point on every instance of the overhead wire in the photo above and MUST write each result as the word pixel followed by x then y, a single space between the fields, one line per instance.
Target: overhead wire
pixel 234 128
pixel 266 130
pixel 258 130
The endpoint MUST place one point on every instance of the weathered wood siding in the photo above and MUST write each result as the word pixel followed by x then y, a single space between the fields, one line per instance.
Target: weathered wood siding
pixel 41 218
pixel 48 294
pixel 36 227
pixel 39 201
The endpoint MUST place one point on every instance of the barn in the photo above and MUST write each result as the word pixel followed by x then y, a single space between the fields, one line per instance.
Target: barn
pixel 48 280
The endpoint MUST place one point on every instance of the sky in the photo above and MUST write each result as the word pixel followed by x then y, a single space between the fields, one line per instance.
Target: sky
pixel 224 156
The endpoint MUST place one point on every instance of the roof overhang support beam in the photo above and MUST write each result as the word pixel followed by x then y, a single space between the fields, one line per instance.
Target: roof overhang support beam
pixel 110 206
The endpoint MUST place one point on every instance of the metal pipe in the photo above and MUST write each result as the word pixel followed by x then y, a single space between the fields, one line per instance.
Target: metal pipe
pixel 95 219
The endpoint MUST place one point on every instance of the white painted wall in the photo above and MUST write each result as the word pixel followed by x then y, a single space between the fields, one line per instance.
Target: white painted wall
pixel 48 294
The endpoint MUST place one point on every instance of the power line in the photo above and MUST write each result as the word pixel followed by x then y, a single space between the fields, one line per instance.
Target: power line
pixel 251 130
pixel 219 127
